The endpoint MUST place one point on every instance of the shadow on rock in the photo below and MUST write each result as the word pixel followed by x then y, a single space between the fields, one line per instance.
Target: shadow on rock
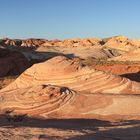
pixel 132 76
pixel 90 128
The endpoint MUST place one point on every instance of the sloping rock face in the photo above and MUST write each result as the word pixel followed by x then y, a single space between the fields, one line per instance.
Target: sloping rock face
pixel 43 42
pixel 117 42
pixel 77 42
pixel 83 48
pixel 79 92
pixel 122 43
pixel 60 102
pixel 42 49
pixel 119 69
pixel 36 100
pixel 67 72
pixel 133 55
pixel 22 43
pixel 81 52
pixel 12 63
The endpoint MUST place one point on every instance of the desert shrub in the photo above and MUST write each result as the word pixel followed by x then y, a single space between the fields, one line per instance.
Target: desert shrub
pixel 13 117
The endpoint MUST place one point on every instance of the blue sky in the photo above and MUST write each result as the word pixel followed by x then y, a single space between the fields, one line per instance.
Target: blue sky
pixel 62 19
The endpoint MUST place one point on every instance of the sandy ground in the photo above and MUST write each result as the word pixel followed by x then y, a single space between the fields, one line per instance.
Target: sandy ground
pixel 73 129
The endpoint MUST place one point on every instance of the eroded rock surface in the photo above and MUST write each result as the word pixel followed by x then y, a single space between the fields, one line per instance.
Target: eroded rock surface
pixel 133 55
pixel 67 72
pixel 60 102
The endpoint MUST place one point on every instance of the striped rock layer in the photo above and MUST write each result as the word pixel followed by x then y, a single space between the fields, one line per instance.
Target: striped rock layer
pixel 133 55
pixel 60 102
pixel 70 73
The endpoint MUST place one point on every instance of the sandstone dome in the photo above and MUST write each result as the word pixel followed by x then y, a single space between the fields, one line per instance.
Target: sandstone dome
pixel 63 71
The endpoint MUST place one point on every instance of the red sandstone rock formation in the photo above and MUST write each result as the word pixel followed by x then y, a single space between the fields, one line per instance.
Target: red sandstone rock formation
pixel 122 43
pixel 83 48
pixel 70 73
pixel 119 69
pixel 118 42
pixel 22 43
pixel 12 63
pixel 79 91
pixel 60 102
pixel 133 55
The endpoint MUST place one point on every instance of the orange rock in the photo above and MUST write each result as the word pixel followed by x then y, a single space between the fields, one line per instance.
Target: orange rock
pixel 60 102
pixel 67 72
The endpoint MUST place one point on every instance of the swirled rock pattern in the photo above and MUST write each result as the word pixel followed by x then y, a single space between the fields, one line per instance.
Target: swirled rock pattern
pixel 60 102
pixel 67 72
pixel 35 100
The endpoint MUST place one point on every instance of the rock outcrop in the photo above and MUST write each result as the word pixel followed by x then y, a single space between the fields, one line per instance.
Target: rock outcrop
pixel 63 87
pixel 133 55
pixel 119 69
pixel 121 42
pixel 60 102
pixel 83 48
pixel 12 63
pixel 22 43
pixel 67 72
pixel 117 42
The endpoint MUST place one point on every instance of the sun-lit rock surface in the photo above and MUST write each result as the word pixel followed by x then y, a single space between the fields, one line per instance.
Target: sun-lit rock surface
pixel 117 42
pixel 119 69
pixel 63 87
pixel 6 42
pixel 121 42
pixel 42 49
pixel 36 100
pixel 81 52
pixel 67 72
pixel 133 55
pixel 83 48
pixel 60 102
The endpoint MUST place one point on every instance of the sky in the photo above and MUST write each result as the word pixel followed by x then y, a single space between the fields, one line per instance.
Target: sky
pixel 61 19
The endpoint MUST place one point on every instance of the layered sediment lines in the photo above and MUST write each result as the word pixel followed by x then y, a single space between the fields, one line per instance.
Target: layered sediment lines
pixel 119 69
pixel 81 52
pixel 67 72
pixel 60 102
pixel 35 100
pixel 117 42
pixel 122 43
pixel 79 92
pixel 83 48
pixel 130 56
